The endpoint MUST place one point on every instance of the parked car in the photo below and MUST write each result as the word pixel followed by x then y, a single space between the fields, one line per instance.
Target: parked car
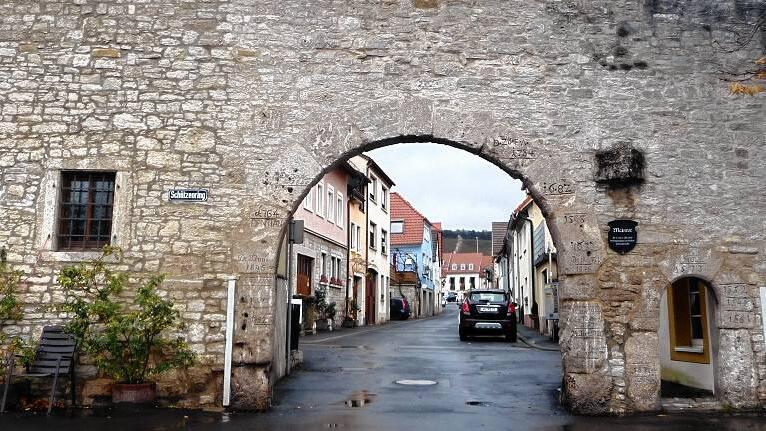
pixel 451 297
pixel 400 309
pixel 487 312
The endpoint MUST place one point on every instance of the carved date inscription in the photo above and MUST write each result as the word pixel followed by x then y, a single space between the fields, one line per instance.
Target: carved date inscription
pixel 514 148
pixel 575 218
pixel 587 342
pixel 581 257
pixel 266 218
pixel 254 263
pixel 737 319
pixel 557 188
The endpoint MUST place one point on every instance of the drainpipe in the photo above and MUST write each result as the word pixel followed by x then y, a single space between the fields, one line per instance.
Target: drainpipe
pixel 230 295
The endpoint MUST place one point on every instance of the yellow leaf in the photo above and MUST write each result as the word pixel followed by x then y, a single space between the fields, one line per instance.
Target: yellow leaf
pixel 761 60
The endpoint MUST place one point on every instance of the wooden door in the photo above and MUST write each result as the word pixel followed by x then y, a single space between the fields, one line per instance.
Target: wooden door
pixel 303 286
pixel 369 299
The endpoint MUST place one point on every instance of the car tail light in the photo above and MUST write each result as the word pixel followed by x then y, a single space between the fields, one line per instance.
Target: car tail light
pixel 511 308
pixel 465 308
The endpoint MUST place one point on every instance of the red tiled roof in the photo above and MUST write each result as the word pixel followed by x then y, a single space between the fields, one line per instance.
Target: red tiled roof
pixel 478 260
pixel 523 204
pixel 401 210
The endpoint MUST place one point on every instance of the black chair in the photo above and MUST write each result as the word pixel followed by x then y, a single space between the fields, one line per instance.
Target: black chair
pixel 55 356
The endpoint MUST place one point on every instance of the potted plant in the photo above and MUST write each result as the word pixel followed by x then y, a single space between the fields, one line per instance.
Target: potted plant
pixel 323 279
pixel 128 342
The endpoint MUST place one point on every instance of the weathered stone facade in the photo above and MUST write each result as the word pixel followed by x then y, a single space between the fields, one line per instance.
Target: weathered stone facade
pixel 256 99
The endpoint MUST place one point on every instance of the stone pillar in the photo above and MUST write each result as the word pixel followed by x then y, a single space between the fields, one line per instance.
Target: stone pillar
pixel 587 385
pixel 738 381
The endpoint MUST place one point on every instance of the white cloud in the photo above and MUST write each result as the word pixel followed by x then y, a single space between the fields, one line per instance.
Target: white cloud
pixel 449 185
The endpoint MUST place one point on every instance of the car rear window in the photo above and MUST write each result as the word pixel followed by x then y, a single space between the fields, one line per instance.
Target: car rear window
pixel 487 297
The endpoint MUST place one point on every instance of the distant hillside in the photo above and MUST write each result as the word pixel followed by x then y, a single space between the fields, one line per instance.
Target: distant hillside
pixel 464 241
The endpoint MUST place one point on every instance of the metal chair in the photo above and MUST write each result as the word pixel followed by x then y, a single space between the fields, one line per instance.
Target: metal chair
pixel 55 356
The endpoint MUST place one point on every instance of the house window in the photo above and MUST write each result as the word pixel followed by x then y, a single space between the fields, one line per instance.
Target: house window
pixel 339 212
pixel 688 321
pixel 462 267
pixel 320 200
pixel 85 212
pixel 373 232
pixel 383 241
pixel 323 270
pixel 308 202
pixel 452 283
pixel 470 267
pixel 358 238
pixel 330 204
pixel 462 283
pixel 472 282
pixel 373 189
pixel 454 267
pixel 426 234
pixel 354 239
pixel 384 199
pixel 397 227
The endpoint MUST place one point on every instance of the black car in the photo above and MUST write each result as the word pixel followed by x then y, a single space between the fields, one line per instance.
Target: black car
pixel 451 297
pixel 400 309
pixel 488 312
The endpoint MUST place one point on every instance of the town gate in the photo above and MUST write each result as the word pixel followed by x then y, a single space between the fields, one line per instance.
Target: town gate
pixel 605 110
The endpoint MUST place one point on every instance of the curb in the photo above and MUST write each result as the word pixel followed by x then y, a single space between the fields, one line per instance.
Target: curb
pixel 533 345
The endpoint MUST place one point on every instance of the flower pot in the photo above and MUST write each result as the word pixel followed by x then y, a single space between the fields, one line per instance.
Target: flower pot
pixel 323 325
pixel 134 393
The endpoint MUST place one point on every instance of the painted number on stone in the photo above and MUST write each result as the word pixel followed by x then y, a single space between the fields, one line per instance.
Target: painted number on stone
pixel 574 218
pixel 561 187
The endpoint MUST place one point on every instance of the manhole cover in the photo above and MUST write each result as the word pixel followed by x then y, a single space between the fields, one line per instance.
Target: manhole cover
pixel 415 382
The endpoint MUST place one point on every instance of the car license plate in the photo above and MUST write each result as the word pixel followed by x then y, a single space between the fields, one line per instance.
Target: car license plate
pixel 487 310
pixel 488 325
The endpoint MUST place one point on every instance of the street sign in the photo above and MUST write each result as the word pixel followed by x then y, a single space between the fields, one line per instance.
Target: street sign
pixel 623 235
pixel 187 195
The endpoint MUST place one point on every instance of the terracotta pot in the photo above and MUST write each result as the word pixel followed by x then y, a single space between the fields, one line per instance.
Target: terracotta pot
pixel 134 393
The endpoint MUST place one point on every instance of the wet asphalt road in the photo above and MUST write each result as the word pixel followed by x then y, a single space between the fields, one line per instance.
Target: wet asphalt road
pixel 348 381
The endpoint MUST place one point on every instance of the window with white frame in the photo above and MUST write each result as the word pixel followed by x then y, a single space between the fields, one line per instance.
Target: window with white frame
pixel 373 187
pixel 426 233
pixel 330 203
pixel 320 200
pixel 373 235
pixel 470 267
pixel 384 199
pixel 397 226
pixel 383 241
pixel 358 238
pixel 339 212
pixel 354 238
pixel 324 265
pixel 462 267
pixel 454 267
pixel 308 201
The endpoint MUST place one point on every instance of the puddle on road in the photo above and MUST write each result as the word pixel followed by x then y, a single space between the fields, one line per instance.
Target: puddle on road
pixel 360 399
pixel 478 403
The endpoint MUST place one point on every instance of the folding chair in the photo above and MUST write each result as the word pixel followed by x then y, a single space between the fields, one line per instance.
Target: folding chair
pixel 55 356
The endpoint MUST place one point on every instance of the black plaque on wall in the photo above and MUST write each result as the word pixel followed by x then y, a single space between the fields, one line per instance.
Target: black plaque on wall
pixel 623 235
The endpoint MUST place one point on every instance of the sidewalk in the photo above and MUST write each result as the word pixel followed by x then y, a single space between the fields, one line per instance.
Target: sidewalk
pixel 342 332
pixel 535 339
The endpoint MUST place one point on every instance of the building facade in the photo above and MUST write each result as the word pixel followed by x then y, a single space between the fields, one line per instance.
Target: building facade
pixel 377 240
pixel 158 98
pixel 321 261
pixel 412 237
pixel 464 272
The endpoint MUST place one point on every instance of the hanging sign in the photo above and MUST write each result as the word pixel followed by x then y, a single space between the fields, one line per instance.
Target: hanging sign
pixel 623 235
pixel 187 195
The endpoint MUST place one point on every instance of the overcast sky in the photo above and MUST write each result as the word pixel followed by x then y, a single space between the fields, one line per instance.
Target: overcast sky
pixel 452 186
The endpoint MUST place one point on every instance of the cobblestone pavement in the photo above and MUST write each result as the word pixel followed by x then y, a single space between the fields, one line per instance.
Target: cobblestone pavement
pixel 349 381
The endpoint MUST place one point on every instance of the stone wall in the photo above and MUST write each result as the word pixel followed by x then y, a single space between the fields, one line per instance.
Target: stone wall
pixel 256 100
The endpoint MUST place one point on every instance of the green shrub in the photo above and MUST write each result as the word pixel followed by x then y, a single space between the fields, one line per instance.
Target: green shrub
pixel 128 341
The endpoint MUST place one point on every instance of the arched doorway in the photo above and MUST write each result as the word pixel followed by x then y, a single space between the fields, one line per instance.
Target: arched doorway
pixel 688 337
